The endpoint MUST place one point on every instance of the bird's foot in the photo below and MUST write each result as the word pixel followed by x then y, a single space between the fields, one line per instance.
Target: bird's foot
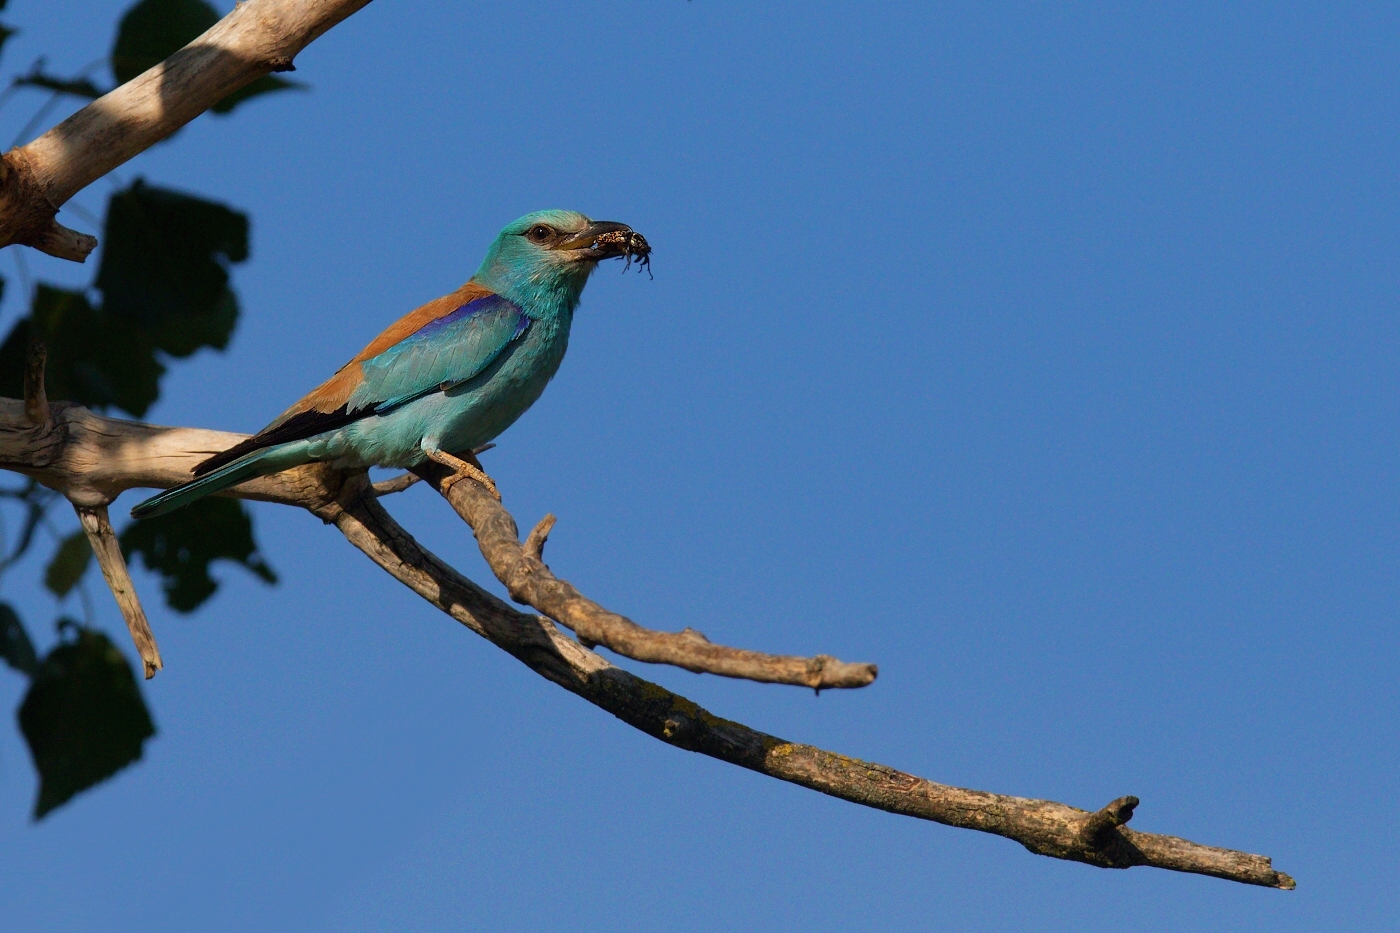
pixel 469 468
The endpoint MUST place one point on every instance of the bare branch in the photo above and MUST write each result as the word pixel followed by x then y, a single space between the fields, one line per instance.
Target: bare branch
pixel 96 456
pixel 530 582
pixel 109 557
pixel 258 37
pixel 1042 826
pixel 398 484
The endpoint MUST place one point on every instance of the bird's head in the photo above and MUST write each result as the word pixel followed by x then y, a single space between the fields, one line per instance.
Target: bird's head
pixel 546 257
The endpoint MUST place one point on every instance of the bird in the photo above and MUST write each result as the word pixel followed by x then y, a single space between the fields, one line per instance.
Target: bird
pixel 445 379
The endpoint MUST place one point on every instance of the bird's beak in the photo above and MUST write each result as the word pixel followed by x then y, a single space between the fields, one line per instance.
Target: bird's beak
pixel 604 239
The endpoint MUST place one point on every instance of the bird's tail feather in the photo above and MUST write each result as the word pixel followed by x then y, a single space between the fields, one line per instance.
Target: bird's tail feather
pixel 249 466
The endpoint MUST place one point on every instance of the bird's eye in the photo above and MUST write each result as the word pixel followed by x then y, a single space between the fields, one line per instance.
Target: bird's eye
pixel 539 233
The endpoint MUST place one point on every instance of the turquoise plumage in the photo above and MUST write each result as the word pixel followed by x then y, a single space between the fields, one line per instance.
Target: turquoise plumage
pixel 446 378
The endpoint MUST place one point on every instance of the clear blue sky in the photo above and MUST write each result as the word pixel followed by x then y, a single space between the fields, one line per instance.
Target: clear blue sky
pixel 1045 356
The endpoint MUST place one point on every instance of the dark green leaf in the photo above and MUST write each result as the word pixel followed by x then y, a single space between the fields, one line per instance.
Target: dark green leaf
pixel 165 287
pixel 153 30
pixel 78 87
pixel 164 266
pixel 179 546
pixel 15 646
pixel 83 718
pixel 93 359
pixel 69 564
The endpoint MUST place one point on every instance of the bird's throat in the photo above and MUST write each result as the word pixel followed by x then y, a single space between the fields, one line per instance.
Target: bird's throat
pixel 543 291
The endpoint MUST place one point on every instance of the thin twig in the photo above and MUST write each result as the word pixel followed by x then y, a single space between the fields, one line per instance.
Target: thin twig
pixel 104 543
pixel 26 281
pixel 33 519
pixel 397 484
pixel 39 115
pixel 530 582
pixel 84 214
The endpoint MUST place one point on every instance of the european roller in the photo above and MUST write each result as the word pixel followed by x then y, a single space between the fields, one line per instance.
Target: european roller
pixel 445 379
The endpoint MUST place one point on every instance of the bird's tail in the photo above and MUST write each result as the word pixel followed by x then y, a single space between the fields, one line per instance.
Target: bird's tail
pixel 249 466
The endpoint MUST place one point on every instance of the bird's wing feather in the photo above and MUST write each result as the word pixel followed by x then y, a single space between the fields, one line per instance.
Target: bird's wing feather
pixel 446 352
pixel 444 342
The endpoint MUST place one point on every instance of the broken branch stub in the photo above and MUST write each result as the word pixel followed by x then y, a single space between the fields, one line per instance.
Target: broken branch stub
pixel 108 551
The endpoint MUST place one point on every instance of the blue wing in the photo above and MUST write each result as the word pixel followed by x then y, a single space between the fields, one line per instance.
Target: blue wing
pixel 445 352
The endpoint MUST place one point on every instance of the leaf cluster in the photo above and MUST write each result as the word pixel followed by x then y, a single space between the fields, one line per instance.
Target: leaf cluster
pixel 180 547
pixel 162 292
pixel 83 716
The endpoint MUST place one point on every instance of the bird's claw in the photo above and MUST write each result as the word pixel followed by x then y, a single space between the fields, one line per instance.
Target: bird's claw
pixel 463 469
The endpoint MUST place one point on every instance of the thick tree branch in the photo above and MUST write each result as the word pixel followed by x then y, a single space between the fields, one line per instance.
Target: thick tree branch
pixel 258 37
pixel 92 459
pixel 529 581
pixel 85 455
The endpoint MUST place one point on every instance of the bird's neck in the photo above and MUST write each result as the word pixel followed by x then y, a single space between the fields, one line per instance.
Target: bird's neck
pixel 548 294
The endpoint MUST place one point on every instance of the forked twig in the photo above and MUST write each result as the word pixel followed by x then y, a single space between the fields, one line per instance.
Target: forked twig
pixel 519 567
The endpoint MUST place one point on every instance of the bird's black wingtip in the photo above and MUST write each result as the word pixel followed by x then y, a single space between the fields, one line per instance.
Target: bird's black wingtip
pixel 149 507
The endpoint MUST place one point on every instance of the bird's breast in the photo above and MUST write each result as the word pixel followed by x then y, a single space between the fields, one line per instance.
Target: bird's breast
pixel 477 412
pixel 457 419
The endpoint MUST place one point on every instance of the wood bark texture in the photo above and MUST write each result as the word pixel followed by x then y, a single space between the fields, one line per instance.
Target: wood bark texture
pixel 91 459
pixel 258 37
pixel 103 539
